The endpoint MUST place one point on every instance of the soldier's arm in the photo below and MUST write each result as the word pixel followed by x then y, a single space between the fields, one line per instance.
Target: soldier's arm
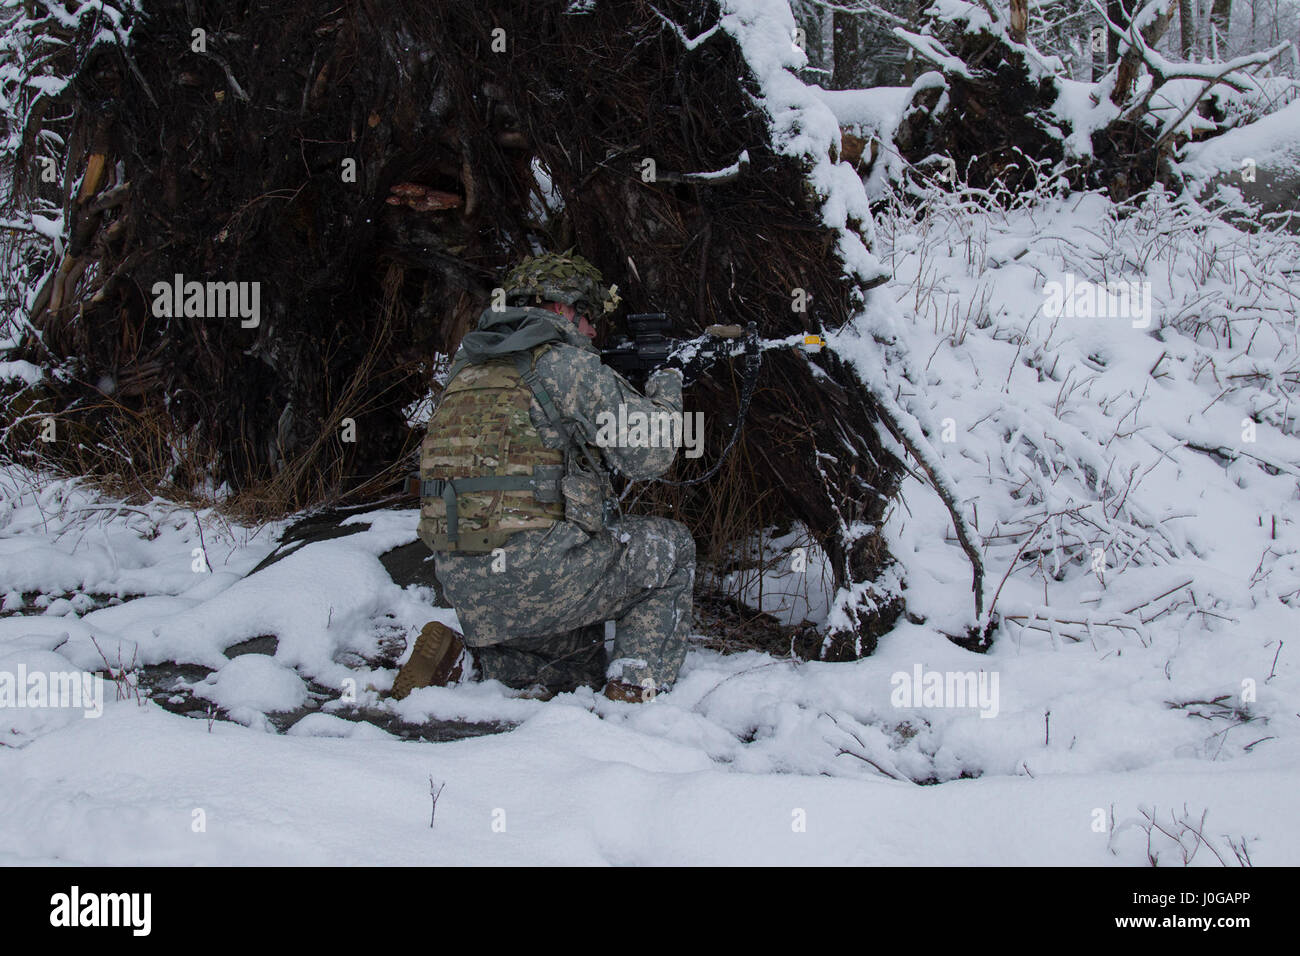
pixel 594 402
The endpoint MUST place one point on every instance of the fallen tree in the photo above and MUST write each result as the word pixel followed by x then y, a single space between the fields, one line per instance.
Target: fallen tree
pixel 997 112
pixel 355 178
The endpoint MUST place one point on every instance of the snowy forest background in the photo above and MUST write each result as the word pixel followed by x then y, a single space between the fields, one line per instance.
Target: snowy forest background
pixel 853 46
pixel 1117 486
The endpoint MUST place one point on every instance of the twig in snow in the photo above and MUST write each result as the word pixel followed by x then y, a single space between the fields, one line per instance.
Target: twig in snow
pixel 123 686
pixel 890 414
pixel 435 791
pixel 1021 550
pixel 202 543
pixel 888 772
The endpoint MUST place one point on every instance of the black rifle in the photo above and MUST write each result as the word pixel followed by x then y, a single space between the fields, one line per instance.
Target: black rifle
pixel 650 348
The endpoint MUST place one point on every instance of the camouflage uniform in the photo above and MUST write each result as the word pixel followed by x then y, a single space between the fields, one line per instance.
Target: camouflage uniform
pixel 560 663
pixel 540 618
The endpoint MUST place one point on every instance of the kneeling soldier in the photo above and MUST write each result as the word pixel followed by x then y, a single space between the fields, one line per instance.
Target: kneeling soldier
pixel 518 507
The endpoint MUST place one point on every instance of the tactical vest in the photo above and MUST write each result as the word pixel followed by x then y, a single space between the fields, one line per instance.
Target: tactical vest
pixel 485 473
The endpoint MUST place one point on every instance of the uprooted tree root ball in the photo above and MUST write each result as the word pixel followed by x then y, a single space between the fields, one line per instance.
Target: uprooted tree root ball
pixel 369 170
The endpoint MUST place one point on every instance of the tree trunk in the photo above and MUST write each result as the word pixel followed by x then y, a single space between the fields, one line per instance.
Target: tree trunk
pixel 1131 63
pixel 1221 23
pixel 1019 24
pixel 1099 48
pixel 847 72
pixel 1187 22
pixel 1119 12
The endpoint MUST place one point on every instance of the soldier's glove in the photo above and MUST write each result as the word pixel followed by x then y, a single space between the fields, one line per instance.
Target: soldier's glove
pixel 697 356
pixel 665 384
pixel 691 365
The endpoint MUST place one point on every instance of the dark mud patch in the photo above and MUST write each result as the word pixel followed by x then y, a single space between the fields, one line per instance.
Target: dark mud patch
pixel 171 686
pixel 34 603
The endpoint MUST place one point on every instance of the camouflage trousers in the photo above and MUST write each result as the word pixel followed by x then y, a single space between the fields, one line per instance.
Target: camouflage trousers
pixel 538 606
pixel 561 662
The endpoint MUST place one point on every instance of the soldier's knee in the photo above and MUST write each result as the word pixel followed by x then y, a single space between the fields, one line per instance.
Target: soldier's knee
pixel 685 546
pixel 677 539
pixel 655 549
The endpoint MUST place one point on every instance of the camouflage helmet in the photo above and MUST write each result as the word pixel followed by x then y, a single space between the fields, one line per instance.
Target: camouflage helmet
pixel 561 277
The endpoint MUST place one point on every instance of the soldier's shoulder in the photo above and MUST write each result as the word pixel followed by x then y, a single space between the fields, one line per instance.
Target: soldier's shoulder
pixel 561 356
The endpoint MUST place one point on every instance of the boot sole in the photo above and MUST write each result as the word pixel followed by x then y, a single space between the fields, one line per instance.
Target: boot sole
pixel 434 661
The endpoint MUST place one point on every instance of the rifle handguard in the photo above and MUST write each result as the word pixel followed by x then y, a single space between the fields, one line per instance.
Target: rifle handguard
pixel 650 348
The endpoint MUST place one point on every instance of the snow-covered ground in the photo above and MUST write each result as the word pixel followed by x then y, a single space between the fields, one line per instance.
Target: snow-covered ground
pixel 750 760
pixel 1146 662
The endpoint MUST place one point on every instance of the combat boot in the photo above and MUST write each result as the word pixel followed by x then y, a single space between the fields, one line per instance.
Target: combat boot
pixel 436 661
pixel 534 692
pixel 628 693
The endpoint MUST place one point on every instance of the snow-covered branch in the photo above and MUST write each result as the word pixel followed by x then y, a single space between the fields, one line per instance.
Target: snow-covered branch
pixel 716 177
pixel 929 48
pixel 690 43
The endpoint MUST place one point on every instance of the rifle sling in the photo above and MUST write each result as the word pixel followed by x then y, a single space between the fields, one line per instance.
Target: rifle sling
pixel 528 372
